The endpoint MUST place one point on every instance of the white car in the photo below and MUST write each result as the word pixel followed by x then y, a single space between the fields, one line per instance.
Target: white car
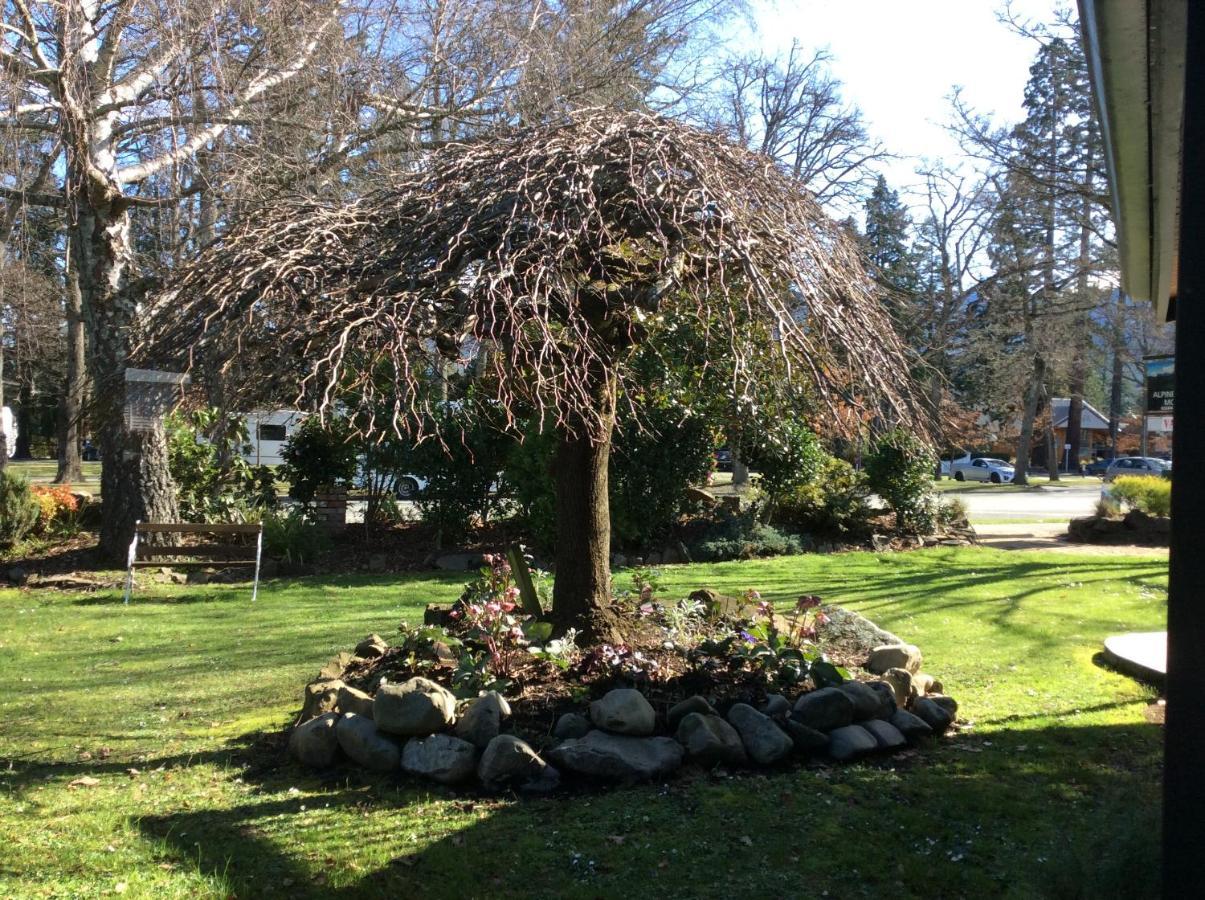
pixel 997 471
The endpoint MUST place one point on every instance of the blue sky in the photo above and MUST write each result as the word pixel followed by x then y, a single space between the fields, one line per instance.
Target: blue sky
pixel 901 59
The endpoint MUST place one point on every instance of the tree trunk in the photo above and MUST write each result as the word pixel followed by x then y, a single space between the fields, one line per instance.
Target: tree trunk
pixel 1053 451
pixel 1025 441
pixel 24 421
pixel 71 405
pixel 581 596
pixel 136 484
pixel 1115 386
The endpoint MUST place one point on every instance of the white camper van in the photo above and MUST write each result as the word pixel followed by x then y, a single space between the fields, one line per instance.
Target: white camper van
pixel 267 431
pixel 8 427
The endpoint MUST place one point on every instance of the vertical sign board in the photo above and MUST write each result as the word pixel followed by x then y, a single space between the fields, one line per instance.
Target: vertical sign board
pixel 1160 400
pixel 1160 385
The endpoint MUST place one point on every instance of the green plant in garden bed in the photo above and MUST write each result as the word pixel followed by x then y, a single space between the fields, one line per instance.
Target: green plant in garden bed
pixel 1148 493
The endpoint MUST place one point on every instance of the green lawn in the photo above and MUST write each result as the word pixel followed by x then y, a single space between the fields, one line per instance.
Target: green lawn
pixel 42 471
pixel 1054 792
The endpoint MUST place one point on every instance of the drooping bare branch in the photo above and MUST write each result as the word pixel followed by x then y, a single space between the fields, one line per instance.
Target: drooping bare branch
pixel 561 247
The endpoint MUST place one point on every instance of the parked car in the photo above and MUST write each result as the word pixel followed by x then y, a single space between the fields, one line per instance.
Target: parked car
pixel 1138 465
pixel 723 460
pixel 997 471
pixel 1098 467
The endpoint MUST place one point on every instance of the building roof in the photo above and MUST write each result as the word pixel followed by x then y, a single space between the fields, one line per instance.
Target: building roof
pixel 1090 418
pixel 1136 53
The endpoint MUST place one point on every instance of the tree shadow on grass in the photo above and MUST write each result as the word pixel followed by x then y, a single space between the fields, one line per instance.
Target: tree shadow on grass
pixel 1027 813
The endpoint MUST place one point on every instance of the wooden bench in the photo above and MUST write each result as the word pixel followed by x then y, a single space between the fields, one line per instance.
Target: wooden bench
pixel 144 554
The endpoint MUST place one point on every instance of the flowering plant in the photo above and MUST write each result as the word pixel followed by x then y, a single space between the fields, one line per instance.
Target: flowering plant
pixel 57 506
pixel 775 650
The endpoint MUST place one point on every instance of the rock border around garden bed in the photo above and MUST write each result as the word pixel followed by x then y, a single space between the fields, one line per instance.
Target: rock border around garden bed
pixel 417 727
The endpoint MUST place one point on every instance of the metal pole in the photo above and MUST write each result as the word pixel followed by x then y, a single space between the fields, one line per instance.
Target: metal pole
pixel 130 557
pixel 259 549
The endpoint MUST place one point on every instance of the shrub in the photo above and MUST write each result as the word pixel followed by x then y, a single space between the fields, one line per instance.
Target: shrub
pixel 57 507
pixel 293 537
pixel 834 503
pixel 319 455
pixel 214 483
pixel 742 536
pixel 650 470
pixel 899 469
pixel 952 511
pixel 787 455
pixel 19 510
pixel 1149 493
pixel 461 463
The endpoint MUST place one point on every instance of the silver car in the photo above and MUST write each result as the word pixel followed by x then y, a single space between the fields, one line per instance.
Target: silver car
pixel 1137 465
pixel 997 471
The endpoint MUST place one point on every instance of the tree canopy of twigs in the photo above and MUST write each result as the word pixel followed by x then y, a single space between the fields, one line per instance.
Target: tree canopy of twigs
pixel 559 248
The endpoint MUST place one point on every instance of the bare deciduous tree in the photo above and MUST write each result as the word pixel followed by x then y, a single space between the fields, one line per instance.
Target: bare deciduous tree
pixel 563 248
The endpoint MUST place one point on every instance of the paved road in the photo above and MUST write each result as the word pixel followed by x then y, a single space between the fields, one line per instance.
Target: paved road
pixel 1041 503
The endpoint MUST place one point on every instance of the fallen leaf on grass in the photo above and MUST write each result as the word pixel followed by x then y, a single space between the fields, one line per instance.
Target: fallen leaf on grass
pixel 84 781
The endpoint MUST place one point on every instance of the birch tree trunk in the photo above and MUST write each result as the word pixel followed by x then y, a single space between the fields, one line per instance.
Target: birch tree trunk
pixel 71 405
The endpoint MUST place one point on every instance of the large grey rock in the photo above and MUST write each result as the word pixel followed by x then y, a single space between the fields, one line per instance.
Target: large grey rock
pixel 949 704
pixel 571 725
pixel 354 700
pixel 933 714
pixel 458 562
pixel 764 741
pixel 909 725
pixel 508 761
pixel 417 707
pixel 314 743
pixel 777 706
pixel 894 656
pixel 371 647
pixel 850 742
pixel 865 699
pixel 887 704
pixel 824 710
pixel 616 757
pixel 440 757
pixel 886 735
pixel 679 711
pixel 365 746
pixel 710 741
pixel 624 711
pixel 320 696
pixel 806 740
pixel 850 628
pixel 482 720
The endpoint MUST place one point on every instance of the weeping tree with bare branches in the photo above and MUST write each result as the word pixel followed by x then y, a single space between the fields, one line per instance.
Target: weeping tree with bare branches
pixel 561 249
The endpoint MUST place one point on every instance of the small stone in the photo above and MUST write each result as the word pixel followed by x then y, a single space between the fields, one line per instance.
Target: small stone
pixel 547 780
pixel 440 757
pixel 353 700
pixel 717 606
pixel 902 685
pixel 909 725
pixel 824 710
pixel 806 740
pixel 776 707
pixel 314 743
pixel 417 707
pixel 764 741
pixel 507 761
pixel 679 711
pixel 926 684
pixel 623 711
pixel 622 758
pixel 321 696
pixel 371 647
pixel 850 742
pixel 710 741
pixel 571 725
pixel 894 656
pixel 365 746
pixel 933 714
pixel 482 720
pixel 887 703
pixel 865 699
pixel 885 734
